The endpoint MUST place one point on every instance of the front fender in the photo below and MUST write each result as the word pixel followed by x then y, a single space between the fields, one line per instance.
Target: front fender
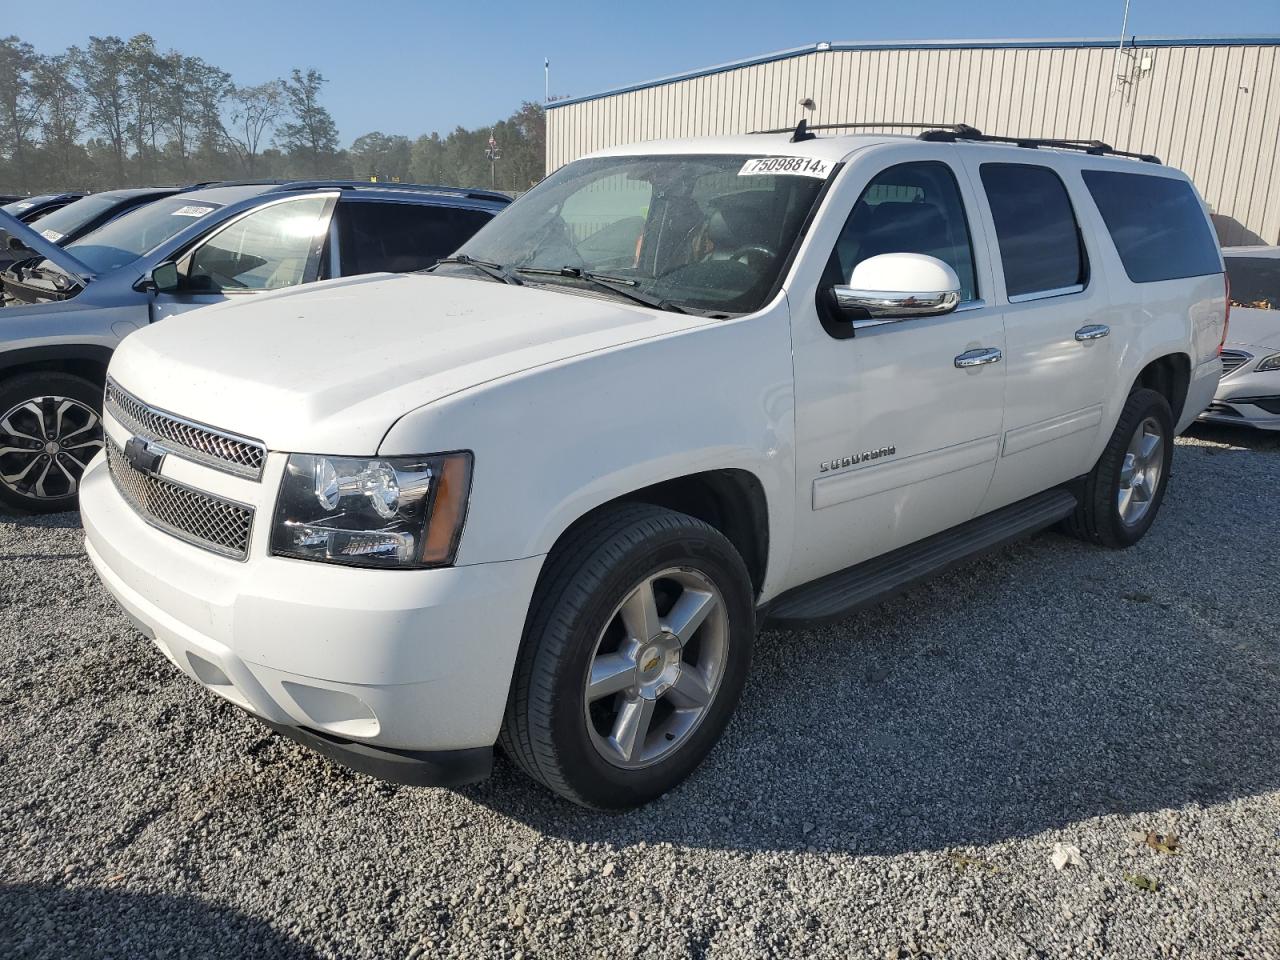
pixel 553 443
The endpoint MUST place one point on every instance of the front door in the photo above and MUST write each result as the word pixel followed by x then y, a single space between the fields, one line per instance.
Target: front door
pixel 269 248
pixel 894 441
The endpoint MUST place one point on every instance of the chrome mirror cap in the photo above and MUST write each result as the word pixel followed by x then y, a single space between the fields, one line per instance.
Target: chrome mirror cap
pixel 898 286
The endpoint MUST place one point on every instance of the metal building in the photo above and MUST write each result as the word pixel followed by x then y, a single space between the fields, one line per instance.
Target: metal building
pixel 1210 106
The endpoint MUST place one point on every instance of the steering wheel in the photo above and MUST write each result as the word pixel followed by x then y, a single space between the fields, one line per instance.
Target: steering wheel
pixel 754 255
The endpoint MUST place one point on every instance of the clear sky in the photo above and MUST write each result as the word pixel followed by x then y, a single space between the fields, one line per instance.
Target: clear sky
pixel 412 66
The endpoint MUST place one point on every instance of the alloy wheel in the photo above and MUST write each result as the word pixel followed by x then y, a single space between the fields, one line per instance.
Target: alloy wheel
pixel 656 667
pixel 1141 471
pixel 45 444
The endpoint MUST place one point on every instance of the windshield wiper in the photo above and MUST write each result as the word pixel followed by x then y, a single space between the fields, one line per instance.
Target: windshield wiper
pixel 618 285
pixel 495 270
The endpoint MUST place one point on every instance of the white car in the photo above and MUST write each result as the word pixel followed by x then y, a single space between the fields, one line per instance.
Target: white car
pixel 1249 394
pixel 544 495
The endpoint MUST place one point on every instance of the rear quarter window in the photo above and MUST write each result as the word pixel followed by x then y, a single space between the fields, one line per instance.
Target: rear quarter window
pixel 1157 224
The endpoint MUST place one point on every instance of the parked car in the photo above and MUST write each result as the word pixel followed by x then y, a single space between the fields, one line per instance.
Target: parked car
pixel 29 210
pixel 69 307
pixel 543 494
pixel 1249 394
pixel 67 224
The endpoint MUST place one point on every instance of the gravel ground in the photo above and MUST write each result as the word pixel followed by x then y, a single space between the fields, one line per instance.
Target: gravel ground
pixel 893 786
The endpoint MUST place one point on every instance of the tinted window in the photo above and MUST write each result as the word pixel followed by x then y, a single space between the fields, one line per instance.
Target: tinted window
pixel 1036 228
pixel 399 237
pixel 1157 223
pixel 1255 282
pixel 910 208
pixel 266 250
pixel 73 216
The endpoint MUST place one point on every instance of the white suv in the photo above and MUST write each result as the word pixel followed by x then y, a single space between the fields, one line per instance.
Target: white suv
pixel 543 495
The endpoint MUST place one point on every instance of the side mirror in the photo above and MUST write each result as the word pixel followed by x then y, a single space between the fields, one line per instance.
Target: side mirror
pixel 17 246
pixel 897 286
pixel 163 278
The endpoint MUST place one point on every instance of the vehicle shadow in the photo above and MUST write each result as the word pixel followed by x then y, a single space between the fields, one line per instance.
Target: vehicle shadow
pixel 1023 692
pixel 1226 434
pixel 38 922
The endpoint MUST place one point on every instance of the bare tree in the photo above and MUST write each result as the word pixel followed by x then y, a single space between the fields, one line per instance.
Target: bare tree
pixel 254 112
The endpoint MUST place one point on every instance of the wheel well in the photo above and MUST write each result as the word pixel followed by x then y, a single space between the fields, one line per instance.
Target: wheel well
pixel 94 371
pixel 1169 376
pixel 732 501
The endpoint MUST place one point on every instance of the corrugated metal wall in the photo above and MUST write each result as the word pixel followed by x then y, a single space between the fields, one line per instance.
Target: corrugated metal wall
pixel 1210 109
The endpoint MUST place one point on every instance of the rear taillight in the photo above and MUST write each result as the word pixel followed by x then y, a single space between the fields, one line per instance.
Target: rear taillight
pixel 1226 312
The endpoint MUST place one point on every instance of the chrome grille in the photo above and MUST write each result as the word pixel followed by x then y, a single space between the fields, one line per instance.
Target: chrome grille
pixel 194 441
pixel 1232 360
pixel 202 519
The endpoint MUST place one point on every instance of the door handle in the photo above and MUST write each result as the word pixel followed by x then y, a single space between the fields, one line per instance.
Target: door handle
pixel 976 358
pixel 1092 331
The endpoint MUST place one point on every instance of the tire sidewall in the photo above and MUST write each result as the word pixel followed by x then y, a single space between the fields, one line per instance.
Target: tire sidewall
pixel 600 782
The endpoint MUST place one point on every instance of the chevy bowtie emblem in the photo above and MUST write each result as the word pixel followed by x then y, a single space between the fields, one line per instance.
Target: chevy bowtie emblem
pixel 143 457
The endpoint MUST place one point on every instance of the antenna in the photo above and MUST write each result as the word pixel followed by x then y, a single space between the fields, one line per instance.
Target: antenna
pixel 1124 29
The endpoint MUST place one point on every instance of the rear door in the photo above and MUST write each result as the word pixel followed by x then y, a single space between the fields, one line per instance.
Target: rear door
pixel 277 245
pixel 1059 356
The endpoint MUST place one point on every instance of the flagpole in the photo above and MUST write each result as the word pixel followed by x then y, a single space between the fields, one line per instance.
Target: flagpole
pixel 546 80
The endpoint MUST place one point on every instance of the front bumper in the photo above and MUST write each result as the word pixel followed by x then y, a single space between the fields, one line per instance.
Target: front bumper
pixel 1247 398
pixel 372 667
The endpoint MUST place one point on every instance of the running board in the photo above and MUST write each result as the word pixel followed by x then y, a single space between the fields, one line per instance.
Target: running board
pixel 842 593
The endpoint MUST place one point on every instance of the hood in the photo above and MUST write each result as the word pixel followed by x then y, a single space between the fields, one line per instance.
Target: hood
pixel 329 367
pixel 1251 327
pixel 50 251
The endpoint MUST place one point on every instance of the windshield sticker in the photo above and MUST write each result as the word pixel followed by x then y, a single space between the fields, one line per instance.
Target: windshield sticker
pixel 787 166
pixel 191 211
pixel 22 206
pixel 51 235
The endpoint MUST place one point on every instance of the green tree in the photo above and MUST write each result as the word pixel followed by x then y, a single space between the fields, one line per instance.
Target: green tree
pixel 101 70
pixel 376 155
pixel 62 113
pixel 19 108
pixel 311 137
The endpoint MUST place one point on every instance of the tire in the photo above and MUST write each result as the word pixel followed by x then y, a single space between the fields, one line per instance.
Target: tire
pixel 587 614
pixel 1103 516
pixel 50 428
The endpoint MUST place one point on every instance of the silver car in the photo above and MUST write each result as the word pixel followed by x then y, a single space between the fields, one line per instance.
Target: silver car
pixel 1249 392
pixel 68 307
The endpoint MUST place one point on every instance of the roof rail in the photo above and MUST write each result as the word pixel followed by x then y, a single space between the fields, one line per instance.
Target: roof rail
pixel 951 132
pixel 469 192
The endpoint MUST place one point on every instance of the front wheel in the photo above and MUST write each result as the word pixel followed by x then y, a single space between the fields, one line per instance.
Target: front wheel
pixel 1123 492
pixel 50 429
pixel 636 650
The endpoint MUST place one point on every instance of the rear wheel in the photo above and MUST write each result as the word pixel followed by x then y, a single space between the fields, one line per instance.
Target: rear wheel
pixel 50 428
pixel 635 653
pixel 1124 490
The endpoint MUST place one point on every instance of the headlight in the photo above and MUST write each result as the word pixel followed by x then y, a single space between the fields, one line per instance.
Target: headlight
pixel 1268 364
pixel 376 512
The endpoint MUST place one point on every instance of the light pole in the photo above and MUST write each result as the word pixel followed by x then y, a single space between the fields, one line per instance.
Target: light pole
pixel 494 154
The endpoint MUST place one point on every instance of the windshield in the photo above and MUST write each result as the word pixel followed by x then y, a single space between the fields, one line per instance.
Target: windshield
pixel 709 233
pixel 124 240
pixel 73 216
pixel 1255 282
